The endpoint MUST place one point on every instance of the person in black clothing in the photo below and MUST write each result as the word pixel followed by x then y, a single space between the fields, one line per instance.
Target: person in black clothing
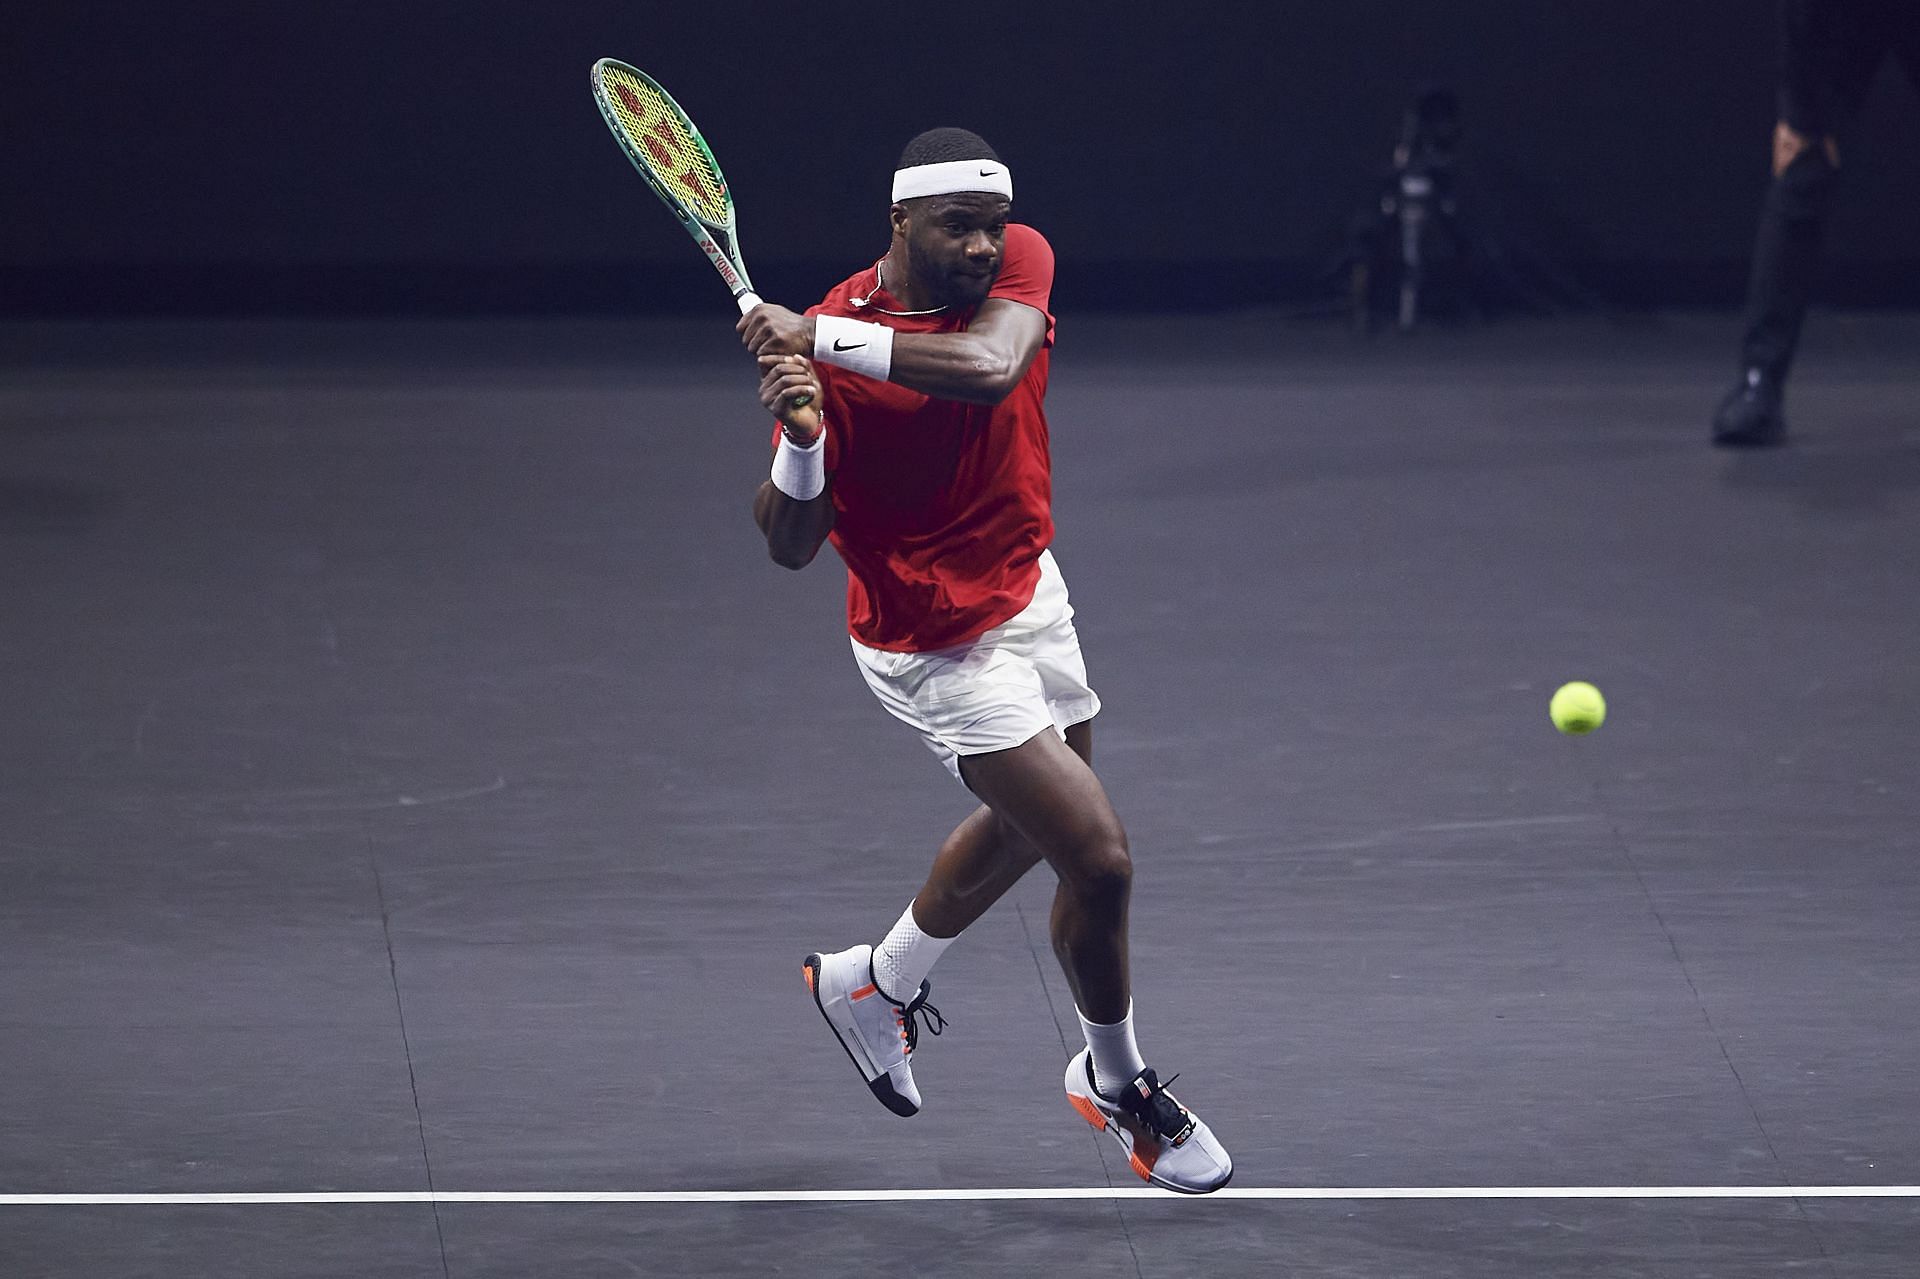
pixel 1829 52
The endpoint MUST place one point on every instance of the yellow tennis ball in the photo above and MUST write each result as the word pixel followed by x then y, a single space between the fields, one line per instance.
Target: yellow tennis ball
pixel 1577 708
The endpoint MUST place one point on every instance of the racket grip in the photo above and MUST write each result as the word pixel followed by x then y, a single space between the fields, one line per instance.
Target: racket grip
pixel 746 300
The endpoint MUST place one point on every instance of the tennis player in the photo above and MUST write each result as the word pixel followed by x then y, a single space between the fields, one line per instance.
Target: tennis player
pixel 912 434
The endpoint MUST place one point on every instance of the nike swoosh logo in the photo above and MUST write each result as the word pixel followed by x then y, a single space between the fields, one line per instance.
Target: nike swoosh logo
pixel 838 345
pixel 987 173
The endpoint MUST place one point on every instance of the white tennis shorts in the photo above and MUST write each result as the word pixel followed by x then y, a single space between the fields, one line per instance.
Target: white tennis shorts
pixel 1019 679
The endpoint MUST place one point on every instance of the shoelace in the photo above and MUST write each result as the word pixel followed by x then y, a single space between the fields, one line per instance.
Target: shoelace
pixel 1165 1115
pixel 914 1014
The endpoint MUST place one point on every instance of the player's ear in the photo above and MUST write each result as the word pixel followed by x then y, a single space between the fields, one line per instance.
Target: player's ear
pixel 899 216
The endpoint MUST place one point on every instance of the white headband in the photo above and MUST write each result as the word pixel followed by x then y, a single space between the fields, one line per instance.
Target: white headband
pixel 951 177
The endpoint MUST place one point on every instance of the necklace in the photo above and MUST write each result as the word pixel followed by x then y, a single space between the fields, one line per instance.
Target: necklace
pixel 879 283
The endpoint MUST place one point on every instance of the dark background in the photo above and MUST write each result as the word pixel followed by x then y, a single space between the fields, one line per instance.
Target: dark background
pixel 215 156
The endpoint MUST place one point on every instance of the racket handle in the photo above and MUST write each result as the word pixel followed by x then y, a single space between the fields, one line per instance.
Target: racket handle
pixel 746 300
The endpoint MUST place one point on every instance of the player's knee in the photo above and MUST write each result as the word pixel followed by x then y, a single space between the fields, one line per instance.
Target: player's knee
pixel 1101 867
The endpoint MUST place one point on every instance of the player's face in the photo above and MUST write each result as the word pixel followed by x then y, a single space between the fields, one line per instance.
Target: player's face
pixel 955 244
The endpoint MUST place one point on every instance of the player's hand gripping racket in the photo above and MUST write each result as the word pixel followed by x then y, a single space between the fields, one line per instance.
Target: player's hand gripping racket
pixel 676 162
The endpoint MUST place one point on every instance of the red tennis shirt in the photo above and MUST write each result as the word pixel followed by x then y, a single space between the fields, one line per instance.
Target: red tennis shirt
pixel 941 508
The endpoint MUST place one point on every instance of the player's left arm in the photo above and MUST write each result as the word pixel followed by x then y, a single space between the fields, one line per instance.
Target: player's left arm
pixel 982 363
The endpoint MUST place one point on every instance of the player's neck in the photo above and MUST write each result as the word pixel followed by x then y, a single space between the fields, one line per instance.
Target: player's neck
pixel 898 283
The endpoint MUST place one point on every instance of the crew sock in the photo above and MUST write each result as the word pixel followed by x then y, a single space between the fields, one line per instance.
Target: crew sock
pixel 904 957
pixel 1116 1057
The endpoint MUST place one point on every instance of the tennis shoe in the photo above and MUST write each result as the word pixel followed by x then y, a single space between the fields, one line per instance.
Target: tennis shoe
pixel 878 1033
pixel 1165 1143
pixel 1750 415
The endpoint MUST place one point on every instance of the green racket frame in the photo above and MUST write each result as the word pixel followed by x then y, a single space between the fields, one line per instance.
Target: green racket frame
pixel 718 238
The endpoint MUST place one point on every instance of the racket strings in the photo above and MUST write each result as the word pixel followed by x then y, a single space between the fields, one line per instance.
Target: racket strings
pixel 660 135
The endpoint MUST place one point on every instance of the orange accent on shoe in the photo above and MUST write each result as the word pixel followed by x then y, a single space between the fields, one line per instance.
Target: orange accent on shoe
pixel 1142 1166
pixel 864 991
pixel 806 970
pixel 1088 1111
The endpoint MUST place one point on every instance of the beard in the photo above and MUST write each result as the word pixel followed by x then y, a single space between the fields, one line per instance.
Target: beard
pixel 956 285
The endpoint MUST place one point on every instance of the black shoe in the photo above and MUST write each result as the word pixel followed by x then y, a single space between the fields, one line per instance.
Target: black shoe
pixel 1750 415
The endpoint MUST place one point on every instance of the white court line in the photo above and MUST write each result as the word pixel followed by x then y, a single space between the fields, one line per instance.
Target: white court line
pixel 962 1193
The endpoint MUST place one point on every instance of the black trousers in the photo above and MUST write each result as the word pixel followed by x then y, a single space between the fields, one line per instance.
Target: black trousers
pixel 1829 52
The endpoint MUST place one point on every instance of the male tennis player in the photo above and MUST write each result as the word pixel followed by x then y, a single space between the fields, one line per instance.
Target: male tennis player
pixel 912 434
pixel 1829 53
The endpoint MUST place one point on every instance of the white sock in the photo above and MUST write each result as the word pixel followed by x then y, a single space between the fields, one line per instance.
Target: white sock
pixel 904 957
pixel 1116 1058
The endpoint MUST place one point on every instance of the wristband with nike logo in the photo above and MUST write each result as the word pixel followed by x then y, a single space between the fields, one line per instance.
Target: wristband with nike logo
pixel 854 345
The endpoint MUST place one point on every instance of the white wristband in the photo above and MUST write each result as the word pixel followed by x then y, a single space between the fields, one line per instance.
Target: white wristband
pixel 800 473
pixel 854 344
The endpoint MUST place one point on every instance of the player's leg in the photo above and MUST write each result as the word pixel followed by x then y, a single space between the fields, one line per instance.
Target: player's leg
pixel 1828 61
pixel 875 997
pixel 1049 794
pixel 978 863
pixel 1052 798
pixel 974 868
pixel 1786 257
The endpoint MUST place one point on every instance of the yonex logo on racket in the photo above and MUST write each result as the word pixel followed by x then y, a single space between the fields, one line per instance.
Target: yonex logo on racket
pixel 721 263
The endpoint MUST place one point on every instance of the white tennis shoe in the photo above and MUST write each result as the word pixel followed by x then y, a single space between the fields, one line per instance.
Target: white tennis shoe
pixel 1165 1143
pixel 878 1033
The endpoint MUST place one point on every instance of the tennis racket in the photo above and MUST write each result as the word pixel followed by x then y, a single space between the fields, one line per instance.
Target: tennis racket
pixel 674 159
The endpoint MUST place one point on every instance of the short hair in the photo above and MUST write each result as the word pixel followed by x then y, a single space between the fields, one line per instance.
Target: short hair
pixel 937 146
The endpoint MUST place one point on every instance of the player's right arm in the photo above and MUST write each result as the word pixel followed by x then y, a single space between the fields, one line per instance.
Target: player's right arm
pixel 794 529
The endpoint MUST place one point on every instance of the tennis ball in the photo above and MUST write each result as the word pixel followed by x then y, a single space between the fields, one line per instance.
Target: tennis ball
pixel 1577 708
